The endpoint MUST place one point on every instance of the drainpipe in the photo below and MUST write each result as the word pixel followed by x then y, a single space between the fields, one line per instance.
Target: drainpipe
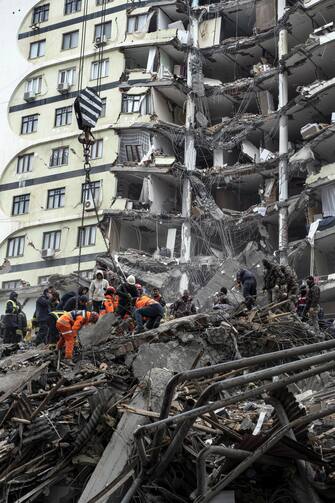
pixel 189 151
pixel 283 138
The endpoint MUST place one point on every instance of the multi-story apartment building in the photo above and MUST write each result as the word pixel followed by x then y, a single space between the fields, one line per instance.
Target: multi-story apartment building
pixel 203 105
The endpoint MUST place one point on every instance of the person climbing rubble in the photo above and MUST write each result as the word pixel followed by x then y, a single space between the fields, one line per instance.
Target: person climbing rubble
pixel 43 308
pixel 248 281
pixel 301 302
pixel 97 291
pixel 183 306
pixel 53 333
pixel 111 301
pixel 221 300
pixel 273 278
pixel 290 286
pixel 13 330
pixel 156 295
pixel 313 304
pixel 127 293
pixel 76 302
pixel 148 308
pixel 68 326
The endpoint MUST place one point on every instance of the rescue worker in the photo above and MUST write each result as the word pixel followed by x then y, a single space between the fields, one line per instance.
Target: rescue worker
pixel 11 321
pixel 156 295
pixel 97 291
pixel 55 299
pixel 149 308
pixel 221 300
pixel 64 299
pixel 273 278
pixel 76 302
pixel 248 281
pixel 302 300
pixel 68 326
pixel 127 294
pixel 111 301
pixel 313 303
pixel 290 285
pixel 183 306
pixel 53 334
pixel 43 309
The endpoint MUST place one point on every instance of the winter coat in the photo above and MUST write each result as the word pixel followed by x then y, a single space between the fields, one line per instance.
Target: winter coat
pixel 98 288
pixel 183 307
pixel 43 307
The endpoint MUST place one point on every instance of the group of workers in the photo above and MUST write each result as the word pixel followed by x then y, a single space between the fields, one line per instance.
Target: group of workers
pixel 58 319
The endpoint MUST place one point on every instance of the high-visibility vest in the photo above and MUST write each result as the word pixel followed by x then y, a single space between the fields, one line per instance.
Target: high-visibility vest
pixel 15 308
pixel 57 314
pixel 144 301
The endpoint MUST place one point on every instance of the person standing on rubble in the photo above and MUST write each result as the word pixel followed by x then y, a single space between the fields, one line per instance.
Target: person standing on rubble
pixel 273 278
pixel 290 286
pixel 127 294
pixel 53 334
pixel 156 295
pixel 221 300
pixel 111 301
pixel 148 308
pixel 248 281
pixel 313 304
pixel 301 302
pixel 68 326
pixel 12 332
pixel 183 306
pixel 97 291
pixel 43 308
pixel 76 302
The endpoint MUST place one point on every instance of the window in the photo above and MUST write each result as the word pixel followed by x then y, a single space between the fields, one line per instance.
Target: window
pixel 59 156
pixel 67 76
pixel 136 23
pixel 41 14
pixel 43 280
pixel 100 2
pixel 136 103
pixel 70 40
pixel 134 153
pixel 90 191
pixel 88 274
pixel 72 6
pixel 103 29
pixel 11 285
pixel 37 49
pixel 24 163
pixel 20 204
pixel 97 150
pixel 103 110
pixel 34 85
pixel 63 116
pixel 99 69
pixel 56 198
pixel 29 124
pixel 86 235
pixel 51 240
pixel 15 246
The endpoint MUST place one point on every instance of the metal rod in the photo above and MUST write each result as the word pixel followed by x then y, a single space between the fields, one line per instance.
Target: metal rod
pixel 226 367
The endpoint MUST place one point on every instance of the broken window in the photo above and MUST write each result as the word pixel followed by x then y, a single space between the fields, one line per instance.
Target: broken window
pixel 134 153
pixel 136 103
pixel 133 145
pixel 137 23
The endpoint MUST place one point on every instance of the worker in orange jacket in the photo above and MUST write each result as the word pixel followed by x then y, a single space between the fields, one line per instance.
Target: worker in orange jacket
pixel 111 301
pixel 148 308
pixel 68 326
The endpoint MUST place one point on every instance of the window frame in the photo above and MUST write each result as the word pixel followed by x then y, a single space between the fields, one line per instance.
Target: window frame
pixel 67 71
pixel 41 9
pixel 24 158
pixel 97 148
pixel 138 152
pixel 104 65
pixel 56 198
pixel 32 80
pixel 73 5
pixel 11 284
pixel 90 235
pixel 20 246
pixel 70 34
pixel 59 153
pixel 63 112
pixel 39 44
pixel 18 201
pixel 55 235
pixel 102 28
pixel 30 123
pixel 136 24
pixel 91 191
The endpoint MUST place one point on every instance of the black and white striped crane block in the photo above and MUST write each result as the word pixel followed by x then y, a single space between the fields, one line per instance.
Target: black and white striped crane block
pixel 87 106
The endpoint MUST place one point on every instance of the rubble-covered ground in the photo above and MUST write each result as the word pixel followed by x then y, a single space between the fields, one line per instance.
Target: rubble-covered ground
pixel 203 409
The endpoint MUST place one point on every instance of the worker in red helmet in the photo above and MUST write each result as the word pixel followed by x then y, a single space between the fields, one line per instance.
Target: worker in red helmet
pixel 111 301
pixel 68 326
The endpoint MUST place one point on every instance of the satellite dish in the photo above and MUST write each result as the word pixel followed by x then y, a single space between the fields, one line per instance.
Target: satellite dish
pixel 201 119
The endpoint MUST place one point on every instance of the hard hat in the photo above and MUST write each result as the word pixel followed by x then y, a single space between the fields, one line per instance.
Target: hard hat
pixel 131 280
pixel 94 317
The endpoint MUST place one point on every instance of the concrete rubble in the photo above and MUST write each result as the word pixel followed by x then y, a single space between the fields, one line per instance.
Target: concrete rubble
pixel 212 407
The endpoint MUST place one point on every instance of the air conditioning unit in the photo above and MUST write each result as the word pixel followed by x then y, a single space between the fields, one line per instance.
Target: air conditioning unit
pixel 48 253
pixel 29 96
pixel 99 41
pixel 89 205
pixel 64 87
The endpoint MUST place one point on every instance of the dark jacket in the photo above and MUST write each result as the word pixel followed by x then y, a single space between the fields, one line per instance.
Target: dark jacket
pixel 159 298
pixel 13 308
pixel 244 275
pixel 126 292
pixel 43 307
pixel 71 304
pixel 183 307
pixel 313 297
pixel 273 276
pixel 64 299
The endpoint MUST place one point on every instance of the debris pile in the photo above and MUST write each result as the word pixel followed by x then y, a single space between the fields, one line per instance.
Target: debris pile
pixel 206 408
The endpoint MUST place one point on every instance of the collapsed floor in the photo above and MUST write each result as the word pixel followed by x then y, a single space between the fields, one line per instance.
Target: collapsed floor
pixel 204 408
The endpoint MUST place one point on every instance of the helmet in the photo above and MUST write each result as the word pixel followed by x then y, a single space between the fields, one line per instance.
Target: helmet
pixel 94 317
pixel 131 280
pixel 110 290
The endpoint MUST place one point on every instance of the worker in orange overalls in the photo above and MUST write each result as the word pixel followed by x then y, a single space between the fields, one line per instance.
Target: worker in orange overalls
pixel 68 326
pixel 149 309
pixel 111 301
